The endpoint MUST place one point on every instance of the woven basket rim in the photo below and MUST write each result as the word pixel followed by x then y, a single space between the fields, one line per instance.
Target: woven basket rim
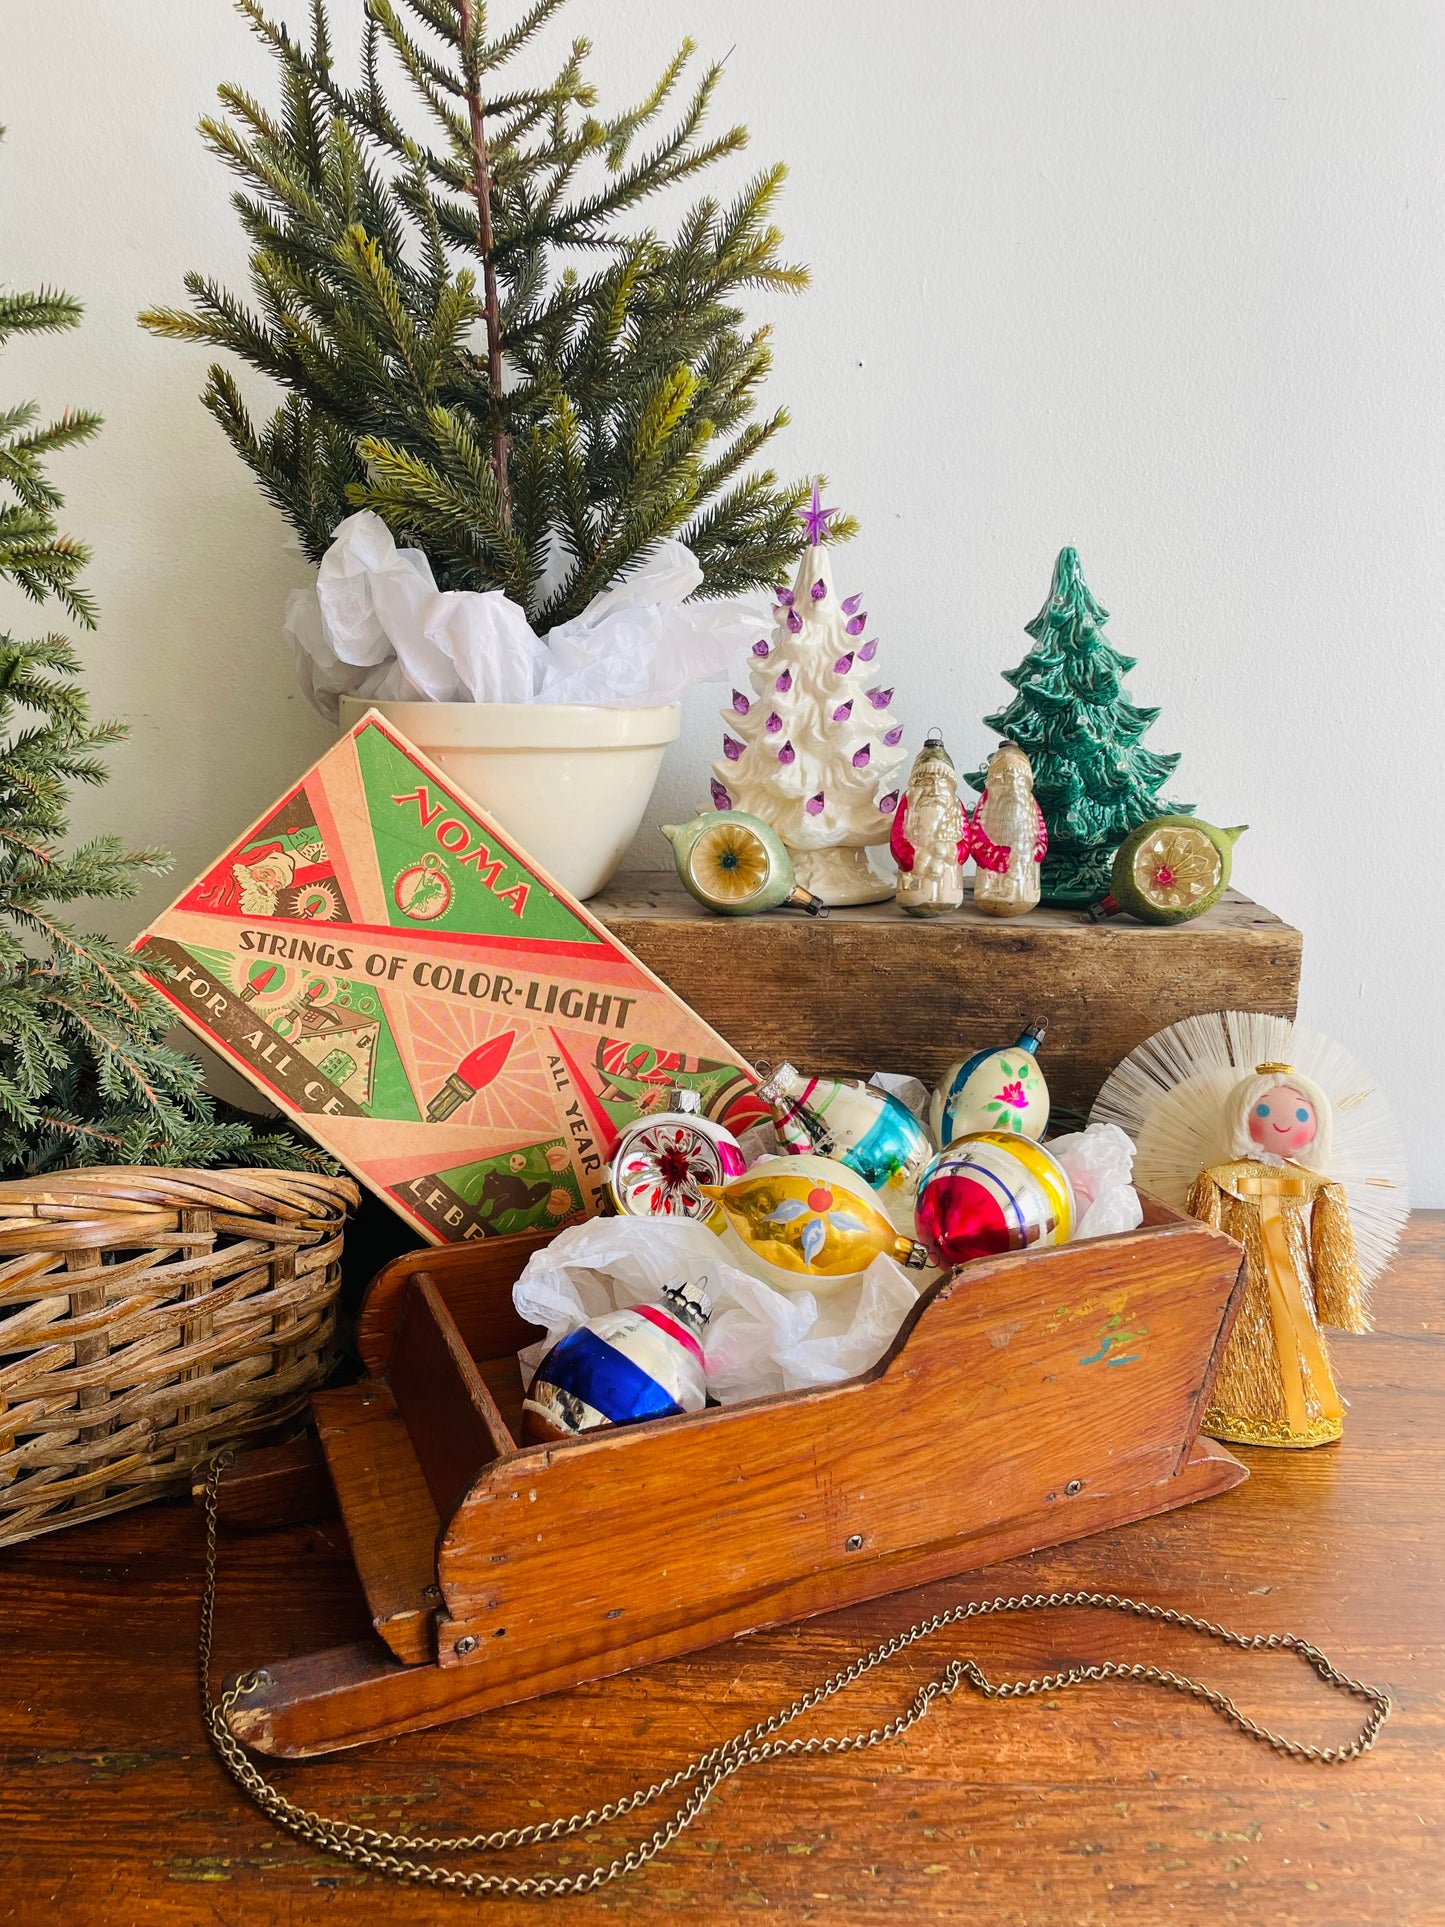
pixel 104 1202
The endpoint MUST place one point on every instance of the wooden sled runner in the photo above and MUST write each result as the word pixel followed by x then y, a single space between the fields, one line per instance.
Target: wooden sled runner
pixel 1027 1400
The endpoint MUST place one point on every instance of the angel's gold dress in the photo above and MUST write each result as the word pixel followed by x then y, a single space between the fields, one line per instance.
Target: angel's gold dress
pixel 1275 1386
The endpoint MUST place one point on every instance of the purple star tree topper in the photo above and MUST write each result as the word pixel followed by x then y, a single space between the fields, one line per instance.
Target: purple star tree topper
pixel 815 519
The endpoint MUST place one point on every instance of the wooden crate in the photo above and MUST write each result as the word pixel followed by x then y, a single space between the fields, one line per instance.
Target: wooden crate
pixel 871 989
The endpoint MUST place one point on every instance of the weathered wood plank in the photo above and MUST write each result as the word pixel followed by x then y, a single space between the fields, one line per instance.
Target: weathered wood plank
pixel 870 989
pixel 391 1521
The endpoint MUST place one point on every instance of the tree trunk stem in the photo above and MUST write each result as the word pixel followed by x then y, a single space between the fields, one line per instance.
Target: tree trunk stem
pixel 491 304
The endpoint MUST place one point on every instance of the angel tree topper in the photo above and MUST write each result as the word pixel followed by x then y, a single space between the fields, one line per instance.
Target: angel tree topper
pixel 812 749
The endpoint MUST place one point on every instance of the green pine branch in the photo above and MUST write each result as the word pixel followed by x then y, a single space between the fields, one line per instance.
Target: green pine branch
pixel 475 335
pixel 86 1074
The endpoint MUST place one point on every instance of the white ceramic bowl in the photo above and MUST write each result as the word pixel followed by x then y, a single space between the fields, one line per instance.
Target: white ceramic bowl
pixel 570 782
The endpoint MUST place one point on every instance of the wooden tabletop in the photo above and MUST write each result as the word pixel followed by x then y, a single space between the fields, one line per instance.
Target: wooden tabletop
pixel 1107 1803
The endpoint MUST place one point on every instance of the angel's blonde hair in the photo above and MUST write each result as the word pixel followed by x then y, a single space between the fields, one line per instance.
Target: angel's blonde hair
pixel 1242 1099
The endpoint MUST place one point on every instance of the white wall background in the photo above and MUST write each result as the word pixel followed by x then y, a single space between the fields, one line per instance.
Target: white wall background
pixel 1161 278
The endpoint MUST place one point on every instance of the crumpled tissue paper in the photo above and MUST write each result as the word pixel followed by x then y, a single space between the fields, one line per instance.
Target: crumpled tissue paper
pixel 759 1340
pixel 1100 1164
pixel 376 626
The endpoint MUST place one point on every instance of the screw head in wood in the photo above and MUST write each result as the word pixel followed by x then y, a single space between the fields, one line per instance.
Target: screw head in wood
pixel 854 1543
pixel 1074 1485
pixel 466 1644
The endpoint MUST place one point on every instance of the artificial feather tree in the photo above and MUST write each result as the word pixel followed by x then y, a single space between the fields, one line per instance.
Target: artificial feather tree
pixel 85 1074
pixel 1072 718
pixel 477 343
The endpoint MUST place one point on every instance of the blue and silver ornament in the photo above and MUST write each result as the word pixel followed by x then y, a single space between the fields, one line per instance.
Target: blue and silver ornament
pixel 622 1367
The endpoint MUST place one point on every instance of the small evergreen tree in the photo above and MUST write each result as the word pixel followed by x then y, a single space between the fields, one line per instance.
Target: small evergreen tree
pixel 85 1074
pixel 1073 720
pixel 455 360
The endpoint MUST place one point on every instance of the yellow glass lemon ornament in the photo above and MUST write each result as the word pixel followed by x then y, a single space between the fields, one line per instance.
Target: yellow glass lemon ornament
pixel 808 1224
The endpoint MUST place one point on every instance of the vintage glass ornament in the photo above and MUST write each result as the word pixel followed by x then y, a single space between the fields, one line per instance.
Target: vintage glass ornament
pixel 737 865
pixel 871 1131
pixel 1169 870
pixel 994 1090
pixel 990 1193
pixel 622 1367
pixel 1007 839
pixel 809 1224
pixel 929 840
pixel 661 1161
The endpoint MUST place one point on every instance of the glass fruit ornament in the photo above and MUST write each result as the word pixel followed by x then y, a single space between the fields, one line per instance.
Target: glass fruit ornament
pixel 736 864
pixel 622 1367
pixel 661 1162
pixel 991 1193
pixel 1169 870
pixel 871 1131
pixel 809 1224
pixel 994 1090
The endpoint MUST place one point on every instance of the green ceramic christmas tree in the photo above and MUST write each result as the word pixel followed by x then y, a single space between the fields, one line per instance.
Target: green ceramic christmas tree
pixel 1073 719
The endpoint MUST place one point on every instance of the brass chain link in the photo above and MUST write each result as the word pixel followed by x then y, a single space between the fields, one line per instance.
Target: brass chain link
pixel 385 1853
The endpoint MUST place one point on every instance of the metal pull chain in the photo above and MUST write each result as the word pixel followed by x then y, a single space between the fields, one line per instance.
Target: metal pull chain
pixel 388 1853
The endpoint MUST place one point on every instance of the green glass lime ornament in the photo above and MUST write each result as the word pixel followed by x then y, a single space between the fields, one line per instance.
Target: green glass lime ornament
pixel 735 864
pixel 1169 870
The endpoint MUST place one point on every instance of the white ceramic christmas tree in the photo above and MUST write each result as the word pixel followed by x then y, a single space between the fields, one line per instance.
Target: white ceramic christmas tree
pixel 812 748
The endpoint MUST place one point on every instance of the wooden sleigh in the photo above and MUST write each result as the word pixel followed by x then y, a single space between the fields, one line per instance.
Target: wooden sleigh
pixel 1027 1400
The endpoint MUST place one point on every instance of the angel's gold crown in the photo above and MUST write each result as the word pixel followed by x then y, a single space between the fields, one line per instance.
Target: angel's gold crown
pixel 1273 1070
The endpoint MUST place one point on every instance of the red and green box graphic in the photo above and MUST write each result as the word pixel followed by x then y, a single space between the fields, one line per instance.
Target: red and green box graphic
pixel 380 958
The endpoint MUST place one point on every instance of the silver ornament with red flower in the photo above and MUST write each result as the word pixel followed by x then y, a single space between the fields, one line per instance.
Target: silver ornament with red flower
pixel 660 1162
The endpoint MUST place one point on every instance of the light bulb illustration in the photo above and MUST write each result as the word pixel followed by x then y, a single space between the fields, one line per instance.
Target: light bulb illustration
pixel 476 1070
pixel 261 981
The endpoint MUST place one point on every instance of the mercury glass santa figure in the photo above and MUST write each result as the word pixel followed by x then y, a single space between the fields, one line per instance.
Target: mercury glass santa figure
pixel 930 835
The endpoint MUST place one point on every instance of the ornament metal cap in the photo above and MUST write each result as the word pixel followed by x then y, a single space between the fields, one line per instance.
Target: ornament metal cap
pixel 775 1082
pixel 682 1097
pixel 933 750
pixel 691 1301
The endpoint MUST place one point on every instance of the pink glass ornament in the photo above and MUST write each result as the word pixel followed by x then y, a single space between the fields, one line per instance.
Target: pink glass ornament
pixel 868 651
pixel 858 625
pixel 787 753
pixel 741 703
pixel 795 621
pixel 732 748
pixel 814 804
pixel 880 698
pixel 818 591
pixel 861 757
pixel 843 665
pixel 843 711
pixel 773 724
pixel 887 804
pixel 893 737
pixel 720 798
pixel 760 647
pixel 850 607
pixel 784 682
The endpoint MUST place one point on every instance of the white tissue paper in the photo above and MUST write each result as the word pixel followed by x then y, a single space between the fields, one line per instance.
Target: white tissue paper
pixel 760 1340
pixel 1100 1164
pixel 376 626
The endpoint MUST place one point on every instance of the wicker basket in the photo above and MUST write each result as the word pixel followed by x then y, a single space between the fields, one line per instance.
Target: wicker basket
pixel 147 1317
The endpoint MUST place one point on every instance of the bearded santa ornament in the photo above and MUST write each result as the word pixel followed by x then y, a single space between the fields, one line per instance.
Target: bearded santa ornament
pixel 1008 840
pixel 930 837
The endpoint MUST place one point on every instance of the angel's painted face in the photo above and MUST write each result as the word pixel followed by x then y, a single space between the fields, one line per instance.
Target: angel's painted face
pixel 1283 1120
